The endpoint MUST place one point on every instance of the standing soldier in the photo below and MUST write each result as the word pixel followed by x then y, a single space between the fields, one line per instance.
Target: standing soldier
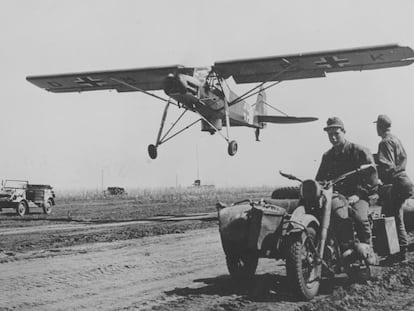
pixel 392 160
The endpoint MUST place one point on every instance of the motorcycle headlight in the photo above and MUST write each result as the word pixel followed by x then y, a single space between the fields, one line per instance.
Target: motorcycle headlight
pixel 310 190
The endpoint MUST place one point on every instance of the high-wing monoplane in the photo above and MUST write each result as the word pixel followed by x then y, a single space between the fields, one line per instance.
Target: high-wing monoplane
pixel 206 90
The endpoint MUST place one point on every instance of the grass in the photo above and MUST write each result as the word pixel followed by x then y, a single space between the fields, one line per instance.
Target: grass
pixel 93 206
pixel 169 195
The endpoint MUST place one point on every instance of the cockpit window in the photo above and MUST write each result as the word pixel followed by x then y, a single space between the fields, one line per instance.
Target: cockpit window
pixel 201 74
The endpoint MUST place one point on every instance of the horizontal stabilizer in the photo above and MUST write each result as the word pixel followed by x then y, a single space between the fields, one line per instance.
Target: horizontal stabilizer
pixel 285 119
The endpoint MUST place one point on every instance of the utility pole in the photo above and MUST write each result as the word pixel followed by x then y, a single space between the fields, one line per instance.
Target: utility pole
pixel 198 171
pixel 102 179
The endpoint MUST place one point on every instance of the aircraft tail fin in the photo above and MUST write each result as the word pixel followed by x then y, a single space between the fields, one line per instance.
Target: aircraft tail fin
pixel 261 117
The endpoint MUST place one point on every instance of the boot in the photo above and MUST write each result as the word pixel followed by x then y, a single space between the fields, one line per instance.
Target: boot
pixel 366 253
pixel 402 255
pixel 348 252
pixel 398 258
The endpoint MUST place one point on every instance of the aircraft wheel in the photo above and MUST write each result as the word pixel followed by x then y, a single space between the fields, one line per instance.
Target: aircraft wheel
pixel 232 149
pixel 152 151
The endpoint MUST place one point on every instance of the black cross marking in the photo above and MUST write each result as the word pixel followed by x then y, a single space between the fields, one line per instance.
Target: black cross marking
pixel 128 80
pixel 285 64
pixel 88 81
pixel 332 62
pixel 376 57
pixel 54 84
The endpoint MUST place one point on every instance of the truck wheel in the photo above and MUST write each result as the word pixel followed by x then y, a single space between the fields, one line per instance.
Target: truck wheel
pixel 47 208
pixel 286 193
pixel 301 267
pixel 242 266
pixel 21 209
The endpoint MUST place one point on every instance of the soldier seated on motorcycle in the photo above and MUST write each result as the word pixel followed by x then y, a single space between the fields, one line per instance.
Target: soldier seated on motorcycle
pixel 350 203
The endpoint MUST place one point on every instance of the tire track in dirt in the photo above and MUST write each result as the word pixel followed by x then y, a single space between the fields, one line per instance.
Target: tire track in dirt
pixel 133 274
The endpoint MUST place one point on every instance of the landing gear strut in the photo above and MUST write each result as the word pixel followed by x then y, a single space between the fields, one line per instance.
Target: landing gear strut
pixel 152 149
pixel 232 147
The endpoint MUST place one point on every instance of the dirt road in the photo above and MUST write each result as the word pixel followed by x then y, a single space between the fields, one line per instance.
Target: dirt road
pixel 81 225
pixel 116 255
pixel 160 272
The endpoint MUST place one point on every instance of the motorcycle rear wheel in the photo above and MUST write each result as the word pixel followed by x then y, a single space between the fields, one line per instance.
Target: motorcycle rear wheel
pixel 301 267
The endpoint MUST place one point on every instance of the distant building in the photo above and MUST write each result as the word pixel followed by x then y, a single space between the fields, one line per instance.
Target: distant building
pixel 197 183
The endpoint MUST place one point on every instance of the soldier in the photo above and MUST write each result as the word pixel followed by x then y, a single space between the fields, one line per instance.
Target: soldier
pixel 392 160
pixel 343 157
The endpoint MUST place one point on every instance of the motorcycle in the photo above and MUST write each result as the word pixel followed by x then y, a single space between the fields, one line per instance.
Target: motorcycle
pixel 296 230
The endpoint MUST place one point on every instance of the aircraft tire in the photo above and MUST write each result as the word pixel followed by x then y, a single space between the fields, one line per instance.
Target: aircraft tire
pixel 232 148
pixel 152 151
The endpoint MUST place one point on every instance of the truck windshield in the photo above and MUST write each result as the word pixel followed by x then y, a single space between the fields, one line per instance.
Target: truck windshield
pixel 19 184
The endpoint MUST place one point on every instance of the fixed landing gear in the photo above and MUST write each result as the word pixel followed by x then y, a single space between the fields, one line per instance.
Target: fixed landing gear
pixel 232 148
pixel 152 151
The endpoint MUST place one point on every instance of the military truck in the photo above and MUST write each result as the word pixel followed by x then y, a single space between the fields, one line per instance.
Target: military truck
pixel 23 197
pixel 115 191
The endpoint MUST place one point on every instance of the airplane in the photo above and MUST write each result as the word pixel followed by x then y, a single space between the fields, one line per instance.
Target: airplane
pixel 207 91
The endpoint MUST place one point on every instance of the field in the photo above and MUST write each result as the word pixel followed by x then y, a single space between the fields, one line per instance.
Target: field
pixel 132 252
pixel 94 208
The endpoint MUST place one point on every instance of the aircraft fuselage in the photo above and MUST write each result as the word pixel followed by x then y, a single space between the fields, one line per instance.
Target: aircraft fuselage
pixel 207 98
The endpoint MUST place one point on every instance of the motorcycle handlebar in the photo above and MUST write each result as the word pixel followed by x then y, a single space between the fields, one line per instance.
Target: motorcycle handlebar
pixel 328 183
pixel 343 176
pixel 289 176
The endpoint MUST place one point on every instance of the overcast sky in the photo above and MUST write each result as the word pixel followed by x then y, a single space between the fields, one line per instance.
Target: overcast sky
pixel 72 140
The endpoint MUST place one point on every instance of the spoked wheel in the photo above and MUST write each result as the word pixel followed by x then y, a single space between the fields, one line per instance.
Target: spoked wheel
pixel 301 265
pixel 152 151
pixel 242 266
pixel 232 148
pixel 21 209
pixel 47 209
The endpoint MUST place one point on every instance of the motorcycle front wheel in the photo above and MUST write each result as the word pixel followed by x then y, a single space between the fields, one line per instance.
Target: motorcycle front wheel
pixel 301 265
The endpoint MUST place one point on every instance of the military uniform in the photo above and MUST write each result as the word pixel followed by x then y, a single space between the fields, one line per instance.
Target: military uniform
pixel 392 160
pixel 337 162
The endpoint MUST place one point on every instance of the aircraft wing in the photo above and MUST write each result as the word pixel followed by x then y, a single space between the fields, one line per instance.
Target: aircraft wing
pixel 284 119
pixel 146 79
pixel 313 65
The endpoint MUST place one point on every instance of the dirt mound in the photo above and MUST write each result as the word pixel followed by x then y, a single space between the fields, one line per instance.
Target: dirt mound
pixel 392 289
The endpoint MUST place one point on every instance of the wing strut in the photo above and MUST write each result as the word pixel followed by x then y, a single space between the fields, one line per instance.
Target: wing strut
pixel 143 91
pixel 246 95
